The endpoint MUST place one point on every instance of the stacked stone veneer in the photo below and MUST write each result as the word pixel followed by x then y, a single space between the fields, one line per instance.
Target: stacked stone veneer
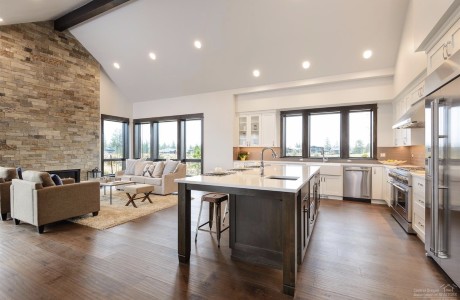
pixel 49 100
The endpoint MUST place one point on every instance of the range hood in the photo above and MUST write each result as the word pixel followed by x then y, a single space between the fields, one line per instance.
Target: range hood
pixel 413 118
pixel 408 123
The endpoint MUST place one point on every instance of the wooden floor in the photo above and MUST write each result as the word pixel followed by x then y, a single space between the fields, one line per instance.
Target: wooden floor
pixel 357 251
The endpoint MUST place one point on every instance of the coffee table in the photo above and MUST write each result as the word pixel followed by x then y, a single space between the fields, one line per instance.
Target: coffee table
pixel 111 184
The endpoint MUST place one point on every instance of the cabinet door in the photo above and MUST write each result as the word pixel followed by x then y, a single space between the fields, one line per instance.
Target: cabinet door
pixel 243 131
pixel 254 130
pixel 332 185
pixel 436 56
pixel 386 186
pixel 377 173
pixel 269 137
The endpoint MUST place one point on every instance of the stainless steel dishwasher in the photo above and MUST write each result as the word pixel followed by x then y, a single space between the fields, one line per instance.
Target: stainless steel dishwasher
pixel 357 183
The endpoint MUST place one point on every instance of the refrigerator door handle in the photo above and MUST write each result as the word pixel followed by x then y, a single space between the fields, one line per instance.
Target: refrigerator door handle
pixel 438 239
pixel 435 177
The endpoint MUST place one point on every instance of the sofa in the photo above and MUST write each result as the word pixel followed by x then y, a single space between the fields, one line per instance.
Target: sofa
pixel 6 177
pixel 159 174
pixel 38 201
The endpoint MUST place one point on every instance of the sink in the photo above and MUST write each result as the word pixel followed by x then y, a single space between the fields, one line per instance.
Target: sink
pixel 281 177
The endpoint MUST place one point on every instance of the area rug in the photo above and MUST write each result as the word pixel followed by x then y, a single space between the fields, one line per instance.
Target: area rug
pixel 117 213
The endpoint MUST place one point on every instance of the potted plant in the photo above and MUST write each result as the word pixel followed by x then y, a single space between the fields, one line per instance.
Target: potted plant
pixel 243 155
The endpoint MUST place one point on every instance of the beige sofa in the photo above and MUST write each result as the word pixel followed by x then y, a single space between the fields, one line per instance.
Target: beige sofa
pixel 160 174
pixel 38 205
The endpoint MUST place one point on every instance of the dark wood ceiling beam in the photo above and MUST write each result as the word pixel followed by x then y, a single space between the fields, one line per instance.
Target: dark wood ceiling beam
pixel 86 12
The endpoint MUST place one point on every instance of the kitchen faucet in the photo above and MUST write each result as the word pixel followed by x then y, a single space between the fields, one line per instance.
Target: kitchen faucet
pixel 262 159
pixel 322 153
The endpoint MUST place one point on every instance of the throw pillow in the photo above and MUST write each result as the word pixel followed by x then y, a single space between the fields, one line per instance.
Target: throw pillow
pixel 38 177
pixel 170 167
pixel 8 174
pixel 56 179
pixel 130 166
pixel 139 167
pixel 148 170
pixel 2 180
pixel 19 171
pixel 158 172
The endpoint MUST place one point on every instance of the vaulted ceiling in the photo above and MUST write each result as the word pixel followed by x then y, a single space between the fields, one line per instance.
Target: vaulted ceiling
pixel 237 36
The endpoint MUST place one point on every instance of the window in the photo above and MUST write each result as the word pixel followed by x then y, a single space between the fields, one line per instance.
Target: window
pixel 360 136
pixel 340 132
pixel 324 135
pixel 293 136
pixel 167 140
pixel 175 137
pixel 114 146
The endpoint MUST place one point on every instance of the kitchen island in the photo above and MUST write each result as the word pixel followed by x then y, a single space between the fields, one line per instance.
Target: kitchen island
pixel 269 215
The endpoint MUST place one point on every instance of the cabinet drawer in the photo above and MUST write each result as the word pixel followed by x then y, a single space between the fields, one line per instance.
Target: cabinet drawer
pixel 418 186
pixel 418 225
pixel 419 210
pixel 418 199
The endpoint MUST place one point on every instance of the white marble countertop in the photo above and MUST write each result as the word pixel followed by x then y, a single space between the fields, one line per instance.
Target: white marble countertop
pixel 309 163
pixel 250 179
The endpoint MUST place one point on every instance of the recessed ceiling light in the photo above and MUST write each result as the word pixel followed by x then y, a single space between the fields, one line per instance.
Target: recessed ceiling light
pixel 116 65
pixel 197 44
pixel 306 64
pixel 152 56
pixel 367 54
pixel 1 20
pixel 256 73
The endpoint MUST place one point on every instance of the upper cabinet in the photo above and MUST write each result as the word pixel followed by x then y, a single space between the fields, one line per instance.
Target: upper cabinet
pixel 259 129
pixel 447 49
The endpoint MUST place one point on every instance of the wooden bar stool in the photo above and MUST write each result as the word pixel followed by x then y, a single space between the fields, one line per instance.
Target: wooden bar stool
pixel 214 200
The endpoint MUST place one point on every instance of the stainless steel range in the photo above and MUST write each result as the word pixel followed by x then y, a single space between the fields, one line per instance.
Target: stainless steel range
pixel 401 194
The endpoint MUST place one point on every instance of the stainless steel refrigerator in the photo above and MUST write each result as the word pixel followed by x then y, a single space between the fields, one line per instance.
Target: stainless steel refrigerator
pixel 442 194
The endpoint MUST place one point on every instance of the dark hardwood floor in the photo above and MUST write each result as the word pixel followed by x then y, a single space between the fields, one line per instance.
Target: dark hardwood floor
pixel 357 252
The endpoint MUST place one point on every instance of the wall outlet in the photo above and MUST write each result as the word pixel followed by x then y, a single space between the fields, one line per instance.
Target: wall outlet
pixel 382 154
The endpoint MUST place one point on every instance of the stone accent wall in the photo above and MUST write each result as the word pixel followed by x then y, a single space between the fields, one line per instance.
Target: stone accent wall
pixel 49 100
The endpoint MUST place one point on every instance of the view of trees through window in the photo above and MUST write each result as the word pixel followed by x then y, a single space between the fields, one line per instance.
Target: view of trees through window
pixel 350 129
pixel 360 137
pixel 175 138
pixel 293 129
pixel 113 146
pixel 325 135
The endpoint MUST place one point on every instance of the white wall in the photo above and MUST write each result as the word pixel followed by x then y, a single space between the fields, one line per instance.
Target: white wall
pixel 363 91
pixel 427 13
pixel 219 111
pixel 409 63
pixel 384 123
pixel 114 103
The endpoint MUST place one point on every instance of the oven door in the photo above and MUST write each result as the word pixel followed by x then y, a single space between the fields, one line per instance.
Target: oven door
pixel 401 200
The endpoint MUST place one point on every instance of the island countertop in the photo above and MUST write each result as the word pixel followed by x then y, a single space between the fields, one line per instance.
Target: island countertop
pixel 251 179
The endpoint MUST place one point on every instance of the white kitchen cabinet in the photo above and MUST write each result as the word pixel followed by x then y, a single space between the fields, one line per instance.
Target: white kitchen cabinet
pixel 331 182
pixel 409 137
pixel 418 205
pixel 386 186
pixel 269 130
pixel 377 187
pixel 258 129
pixel 447 48
pixel 249 130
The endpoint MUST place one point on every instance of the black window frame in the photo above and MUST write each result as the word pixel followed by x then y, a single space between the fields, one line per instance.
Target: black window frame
pixel 125 133
pixel 344 128
pixel 154 136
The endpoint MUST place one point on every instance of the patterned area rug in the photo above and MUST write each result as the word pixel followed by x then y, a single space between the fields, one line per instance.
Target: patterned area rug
pixel 117 213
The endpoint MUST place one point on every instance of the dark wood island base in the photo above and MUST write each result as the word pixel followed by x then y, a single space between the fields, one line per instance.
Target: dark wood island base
pixel 266 226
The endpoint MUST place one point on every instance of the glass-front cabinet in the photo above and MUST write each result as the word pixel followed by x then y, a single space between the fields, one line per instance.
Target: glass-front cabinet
pixel 249 130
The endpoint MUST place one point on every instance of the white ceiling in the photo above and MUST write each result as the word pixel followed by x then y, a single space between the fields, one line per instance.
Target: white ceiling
pixel 274 36
pixel 26 11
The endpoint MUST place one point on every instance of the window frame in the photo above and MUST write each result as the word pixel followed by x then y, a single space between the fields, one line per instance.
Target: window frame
pixel 125 134
pixel 154 136
pixel 344 128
